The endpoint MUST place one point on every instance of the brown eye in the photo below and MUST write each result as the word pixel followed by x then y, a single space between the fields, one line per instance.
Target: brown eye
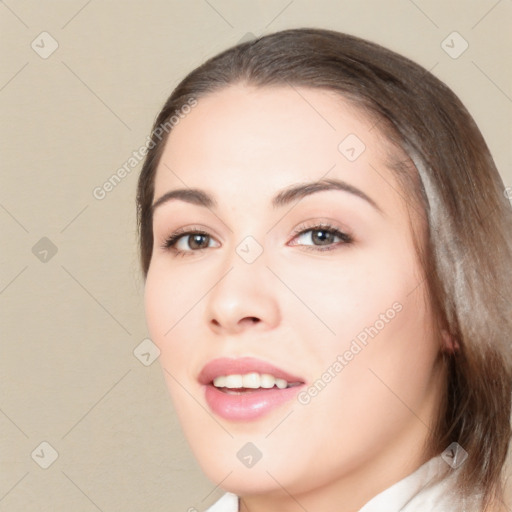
pixel 322 236
pixel 188 242
pixel 197 241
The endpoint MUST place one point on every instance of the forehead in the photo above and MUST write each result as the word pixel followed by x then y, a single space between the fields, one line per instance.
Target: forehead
pixel 249 141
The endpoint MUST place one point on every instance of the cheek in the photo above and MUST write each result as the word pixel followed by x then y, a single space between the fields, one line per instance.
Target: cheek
pixel 157 294
pixel 349 296
pixel 384 373
pixel 169 299
pixel 383 350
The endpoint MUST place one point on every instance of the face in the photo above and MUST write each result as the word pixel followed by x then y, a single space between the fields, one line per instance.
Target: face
pixel 286 297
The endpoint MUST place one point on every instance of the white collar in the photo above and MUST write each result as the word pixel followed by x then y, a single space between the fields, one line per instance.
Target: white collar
pixel 411 494
pixel 418 492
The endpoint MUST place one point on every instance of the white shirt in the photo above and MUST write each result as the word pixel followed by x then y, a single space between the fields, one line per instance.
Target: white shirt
pixel 410 494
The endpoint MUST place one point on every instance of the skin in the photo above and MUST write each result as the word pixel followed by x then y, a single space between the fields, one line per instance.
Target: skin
pixel 295 306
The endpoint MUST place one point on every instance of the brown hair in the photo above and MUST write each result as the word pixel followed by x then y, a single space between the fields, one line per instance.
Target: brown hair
pixel 466 251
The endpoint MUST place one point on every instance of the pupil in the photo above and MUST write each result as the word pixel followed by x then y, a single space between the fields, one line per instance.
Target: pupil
pixel 323 237
pixel 195 242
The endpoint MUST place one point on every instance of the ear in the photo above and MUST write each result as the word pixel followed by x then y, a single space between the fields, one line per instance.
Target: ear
pixel 449 343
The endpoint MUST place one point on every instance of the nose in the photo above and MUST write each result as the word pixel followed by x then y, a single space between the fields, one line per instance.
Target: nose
pixel 244 298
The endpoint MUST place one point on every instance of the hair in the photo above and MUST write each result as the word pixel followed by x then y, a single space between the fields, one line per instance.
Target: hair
pixel 464 247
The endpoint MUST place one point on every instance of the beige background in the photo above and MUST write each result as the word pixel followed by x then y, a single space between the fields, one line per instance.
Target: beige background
pixel 70 324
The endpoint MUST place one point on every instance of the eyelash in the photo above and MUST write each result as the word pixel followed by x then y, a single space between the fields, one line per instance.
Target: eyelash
pixel 169 243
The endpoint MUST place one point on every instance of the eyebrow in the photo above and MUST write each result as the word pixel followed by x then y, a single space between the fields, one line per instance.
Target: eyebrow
pixel 284 197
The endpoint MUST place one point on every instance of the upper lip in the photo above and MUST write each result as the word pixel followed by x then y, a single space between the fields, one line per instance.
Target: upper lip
pixel 241 366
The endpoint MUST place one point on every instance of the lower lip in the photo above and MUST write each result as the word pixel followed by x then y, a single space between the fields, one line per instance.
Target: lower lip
pixel 249 405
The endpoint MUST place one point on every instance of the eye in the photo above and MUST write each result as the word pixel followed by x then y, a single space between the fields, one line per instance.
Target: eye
pixel 183 242
pixel 322 237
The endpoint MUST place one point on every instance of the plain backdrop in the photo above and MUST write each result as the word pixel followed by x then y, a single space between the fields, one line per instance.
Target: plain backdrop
pixel 80 85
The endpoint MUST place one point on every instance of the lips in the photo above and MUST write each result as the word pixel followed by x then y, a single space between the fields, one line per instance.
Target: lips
pixel 268 387
pixel 242 366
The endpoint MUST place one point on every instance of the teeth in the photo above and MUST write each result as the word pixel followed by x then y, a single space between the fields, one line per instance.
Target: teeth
pixel 281 383
pixel 250 381
pixel 267 381
pixel 233 381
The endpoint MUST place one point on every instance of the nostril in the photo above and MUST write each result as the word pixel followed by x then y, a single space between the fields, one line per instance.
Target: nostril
pixel 250 319
pixel 245 321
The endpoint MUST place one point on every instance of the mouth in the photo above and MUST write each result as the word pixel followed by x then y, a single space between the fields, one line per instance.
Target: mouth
pixel 247 383
pixel 245 389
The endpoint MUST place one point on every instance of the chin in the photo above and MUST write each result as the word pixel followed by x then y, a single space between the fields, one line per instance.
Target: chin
pixel 245 482
pixel 224 466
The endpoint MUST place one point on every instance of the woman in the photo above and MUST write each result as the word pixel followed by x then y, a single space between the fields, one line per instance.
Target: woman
pixel 326 246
